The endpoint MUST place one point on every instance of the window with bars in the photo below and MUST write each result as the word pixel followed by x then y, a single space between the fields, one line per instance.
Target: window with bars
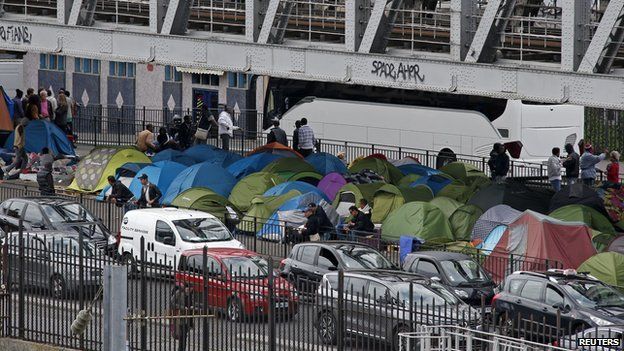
pixel 88 66
pixel 122 69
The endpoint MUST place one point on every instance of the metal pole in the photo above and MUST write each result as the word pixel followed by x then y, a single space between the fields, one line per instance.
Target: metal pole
pixel 81 282
pixel 142 267
pixel 114 305
pixel 272 324
pixel 21 306
pixel 340 326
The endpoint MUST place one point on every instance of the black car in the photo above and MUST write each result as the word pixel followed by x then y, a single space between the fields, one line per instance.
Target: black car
pixel 455 270
pixel 58 214
pixel 308 262
pixel 580 300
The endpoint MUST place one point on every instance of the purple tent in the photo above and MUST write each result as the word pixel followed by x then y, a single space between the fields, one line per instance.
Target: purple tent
pixel 331 183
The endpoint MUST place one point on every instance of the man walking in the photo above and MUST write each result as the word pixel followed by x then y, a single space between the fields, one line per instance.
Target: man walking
pixel 226 128
pixel 571 164
pixel 18 108
pixel 277 134
pixel 588 163
pixel 554 169
pixel 150 194
pixel 306 138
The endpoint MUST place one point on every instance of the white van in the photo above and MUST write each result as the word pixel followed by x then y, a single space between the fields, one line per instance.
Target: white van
pixel 168 232
pixel 539 127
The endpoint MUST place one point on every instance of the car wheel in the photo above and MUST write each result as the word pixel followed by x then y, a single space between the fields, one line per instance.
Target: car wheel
pixel 128 259
pixel 234 310
pixel 327 328
pixel 58 289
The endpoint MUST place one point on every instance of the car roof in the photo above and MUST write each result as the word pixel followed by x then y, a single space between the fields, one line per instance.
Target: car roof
pixel 221 252
pixel 386 275
pixel 50 233
pixel 440 255
pixel 170 213
pixel 43 200
pixel 334 244
pixel 554 275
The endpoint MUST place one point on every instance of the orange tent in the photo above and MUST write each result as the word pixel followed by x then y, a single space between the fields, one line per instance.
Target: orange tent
pixel 275 148
pixel 6 124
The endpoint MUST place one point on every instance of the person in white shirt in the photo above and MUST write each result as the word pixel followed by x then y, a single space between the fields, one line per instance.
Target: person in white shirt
pixel 226 127
pixel 554 169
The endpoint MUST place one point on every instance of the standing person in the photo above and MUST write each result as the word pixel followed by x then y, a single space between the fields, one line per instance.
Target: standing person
pixel 554 169
pixel 306 138
pixel 150 194
pixel 145 140
pixel 206 121
pixel 360 222
pixel 277 134
pixel 18 108
pixel 185 133
pixel 21 159
pixel 181 305
pixel 501 165
pixel 492 160
pixel 72 111
pixel 44 175
pixel 296 136
pixel 581 146
pixel 29 92
pixel 613 171
pixel 226 128
pixel 120 195
pixel 61 113
pixel 33 107
pixel 588 163
pixel 46 106
pixel 571 164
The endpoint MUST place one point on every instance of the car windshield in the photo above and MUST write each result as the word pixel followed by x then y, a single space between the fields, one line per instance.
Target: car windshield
pixel 71 246
pixel 594 294
pixel 202 230
pixel 247 267
pixel 360 257
pixel 73 213
pixel 426 294
pixel 463 271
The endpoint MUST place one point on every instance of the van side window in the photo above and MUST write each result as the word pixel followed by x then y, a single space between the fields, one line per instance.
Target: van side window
pixel 164 233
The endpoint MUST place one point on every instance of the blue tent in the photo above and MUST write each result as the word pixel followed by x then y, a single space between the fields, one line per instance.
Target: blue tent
pixel 205 174
pixel 173 155
pixel 325 163
pixel 130 169
pixel 418 169
pixel 160 173
pixel 273 229
pixel 208 153
pixel 302 187
pixel 492 239
pixel 40 134
pixel 251 164
pixel 435 182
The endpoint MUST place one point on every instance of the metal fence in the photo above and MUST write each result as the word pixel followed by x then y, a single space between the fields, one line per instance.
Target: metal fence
pixel 214 303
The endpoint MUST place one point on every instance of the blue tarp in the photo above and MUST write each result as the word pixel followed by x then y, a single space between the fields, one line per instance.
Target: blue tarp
pixel 434 182
pixel 208 153
pixel 40 134
pixel 492 239
pixel 204 174
pixel 325 163
pixel 273 229
pixel 160 173
pixel 9 104
pixel 173 155
pixel 407 245
pixel 251 164
pixel 418 169
pixel 302 187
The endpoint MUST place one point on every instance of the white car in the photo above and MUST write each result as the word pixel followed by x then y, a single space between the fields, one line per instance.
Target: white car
pixel 167 232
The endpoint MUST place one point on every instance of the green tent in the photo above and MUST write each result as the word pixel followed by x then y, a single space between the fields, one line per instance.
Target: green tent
pixel 204 199
pixel 350 194
pixel 262 208
pixel 251 186
pixel 409 179
pixel 384 168
pixel 457 191
pixel 389 198
pixel 585 214
pixel 308 177
pixel 606 266
pixel 465 172
pixel 93 170
pixel 601 240
pixel 286 167
pixel 461 217
pixel 420 219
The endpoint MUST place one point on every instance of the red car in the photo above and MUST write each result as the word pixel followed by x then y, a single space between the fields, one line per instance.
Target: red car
pixel 238 282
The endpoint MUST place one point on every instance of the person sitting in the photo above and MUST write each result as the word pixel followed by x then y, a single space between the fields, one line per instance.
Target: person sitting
pixel 360 223
pixel 120 194
pixel 365 208
pixel 145 140
pixel 150 194
pixel 165 140
pixel 318 225
pixel 613 171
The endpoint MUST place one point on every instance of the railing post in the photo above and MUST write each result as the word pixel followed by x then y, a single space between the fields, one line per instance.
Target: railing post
pixel 144 112
pixel 143 293
pixel 511 264
pixel 340 326
pixel 272 326
pixel 427 159
pixel 255 236
pixel 21 303
pixel 400 152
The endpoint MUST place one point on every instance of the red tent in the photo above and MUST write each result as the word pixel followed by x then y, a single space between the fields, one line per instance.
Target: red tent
pixel 275 148
pixel 537 242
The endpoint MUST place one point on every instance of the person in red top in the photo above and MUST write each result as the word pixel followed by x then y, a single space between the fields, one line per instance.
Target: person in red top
pixel 613 171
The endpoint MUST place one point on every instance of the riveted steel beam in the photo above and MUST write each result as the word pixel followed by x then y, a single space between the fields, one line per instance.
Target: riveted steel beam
pixel 269 19
pixel 604 35
pixel 400 69
pixel 177 17
pixel 63 9
pixel 355 23
pixel 372 28
pixel 494 20
pixel 78 12
pixel 254 16
pixel 463 25
pixel 576 16
pixel 157 13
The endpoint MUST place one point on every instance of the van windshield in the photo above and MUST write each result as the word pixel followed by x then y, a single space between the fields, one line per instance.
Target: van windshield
pixel 199 230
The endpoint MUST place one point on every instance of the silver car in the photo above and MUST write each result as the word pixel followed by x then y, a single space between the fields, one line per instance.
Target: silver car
pixel 52 261
pixel 605 338
pixel 381 304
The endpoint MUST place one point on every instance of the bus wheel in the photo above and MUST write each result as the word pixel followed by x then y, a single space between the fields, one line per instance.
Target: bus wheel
pixel 445 156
